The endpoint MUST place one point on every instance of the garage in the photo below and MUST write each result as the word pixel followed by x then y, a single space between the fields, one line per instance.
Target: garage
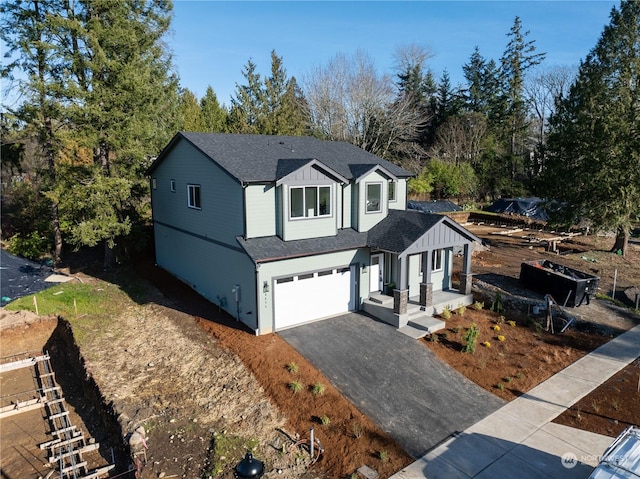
pixel 310 296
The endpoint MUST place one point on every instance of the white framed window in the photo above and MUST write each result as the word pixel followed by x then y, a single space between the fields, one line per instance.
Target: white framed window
pixel 309 201
pixel 436 259
pixel 392 190
pixel 374 197
pixel 193 197
pixel 173 186
pixel 154 183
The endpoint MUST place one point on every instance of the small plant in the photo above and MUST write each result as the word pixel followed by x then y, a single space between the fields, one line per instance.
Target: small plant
pixel 434 338
pixel 495 327
pixel 295 386
pixel 615 403
pixel 470 339
pixel 500 319
pixel 497 305
pixel 512 323
pixel 383 455
pixel 500 386
pixel 457 329
pixel 446 312
pixel 508 379
pixel 292 367
pixel 461 310
pixel 324 420
pixel 519 375
pixel 318 389
pixel 486 344
pixel 595 406
pixel 501 337
pixel 357 429
pixel 478 306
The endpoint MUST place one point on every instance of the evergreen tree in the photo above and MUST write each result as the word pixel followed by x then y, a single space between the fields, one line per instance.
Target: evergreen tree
pixel 214 116
pixel 247 106
pixel 190 112
pixel 593 154
pixel 518 57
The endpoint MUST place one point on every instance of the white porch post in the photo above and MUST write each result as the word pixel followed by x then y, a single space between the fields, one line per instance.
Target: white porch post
pixel 426 287
pixel 466 277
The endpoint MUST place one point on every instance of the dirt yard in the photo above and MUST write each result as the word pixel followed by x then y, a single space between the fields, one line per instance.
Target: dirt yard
pixel 206 389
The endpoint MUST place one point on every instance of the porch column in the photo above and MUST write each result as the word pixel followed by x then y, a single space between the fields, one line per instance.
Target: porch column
pixel 401 295
pixel 426 287
pixel 466 277
pixel 400 301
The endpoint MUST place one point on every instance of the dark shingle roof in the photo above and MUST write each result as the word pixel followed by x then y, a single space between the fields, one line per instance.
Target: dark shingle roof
pixel 272 248
pixel 400 229
pixel 259 158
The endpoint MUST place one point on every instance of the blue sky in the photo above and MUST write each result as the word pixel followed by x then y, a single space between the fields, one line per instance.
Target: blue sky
pixel 212 40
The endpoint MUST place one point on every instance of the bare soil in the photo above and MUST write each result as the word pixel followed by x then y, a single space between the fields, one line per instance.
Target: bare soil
pixel 197 380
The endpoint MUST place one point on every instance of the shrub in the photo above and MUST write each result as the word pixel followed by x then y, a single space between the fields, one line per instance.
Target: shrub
pixel 295 386
pixel 357 429
pixel 501 338
pixel 486 344
pixel 495 327
pixel 497 305
pixel 470 339
pixel 324 420
pixel 478 306
pixel 292 367
pixel 461 310
pixel 383 455
pixel 446 312
pixel 33 246
pixel 512 323
pixel 318 389
pixel 500 386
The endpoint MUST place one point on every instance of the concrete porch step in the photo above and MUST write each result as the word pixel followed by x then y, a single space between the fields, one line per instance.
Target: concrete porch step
pixel 426 323
pixel 412 332
pixel 380 298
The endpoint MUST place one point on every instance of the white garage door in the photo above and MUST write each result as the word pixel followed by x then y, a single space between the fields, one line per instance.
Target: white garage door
pixel 306 297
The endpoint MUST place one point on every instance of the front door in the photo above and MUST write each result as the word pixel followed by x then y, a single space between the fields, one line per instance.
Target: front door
pixel 376 270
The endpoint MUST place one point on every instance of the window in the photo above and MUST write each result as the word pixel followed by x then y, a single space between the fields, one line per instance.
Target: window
pixel 310 201
pixel 173 186
pixel 154 183
pixel 436 259
pixel 374 197
pixel 392 191
pixel 193 193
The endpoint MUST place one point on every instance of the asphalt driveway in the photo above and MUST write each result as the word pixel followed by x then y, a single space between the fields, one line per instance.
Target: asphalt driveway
pixel 393 379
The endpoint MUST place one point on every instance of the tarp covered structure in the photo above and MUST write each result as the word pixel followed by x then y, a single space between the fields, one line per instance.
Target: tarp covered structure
pixel 530 207
pixel 440 206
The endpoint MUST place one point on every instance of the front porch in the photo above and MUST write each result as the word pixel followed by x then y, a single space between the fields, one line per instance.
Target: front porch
pixel 417 321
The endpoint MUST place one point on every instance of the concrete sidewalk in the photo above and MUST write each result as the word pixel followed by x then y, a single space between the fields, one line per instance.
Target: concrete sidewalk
pixel 519 439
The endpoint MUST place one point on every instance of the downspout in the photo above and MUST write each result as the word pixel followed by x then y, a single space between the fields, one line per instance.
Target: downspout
pixel 244 208
pixel 258 303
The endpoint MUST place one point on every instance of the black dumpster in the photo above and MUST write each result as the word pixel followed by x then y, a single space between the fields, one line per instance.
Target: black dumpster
pixel 563 283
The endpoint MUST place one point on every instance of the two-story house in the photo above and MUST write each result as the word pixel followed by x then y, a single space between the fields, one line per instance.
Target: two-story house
pixel 279 231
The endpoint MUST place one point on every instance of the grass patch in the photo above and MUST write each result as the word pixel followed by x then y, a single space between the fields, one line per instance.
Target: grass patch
pixel 318 389
pixel 89 308
pixel 295 386
pixel 292 367
pixel 227 451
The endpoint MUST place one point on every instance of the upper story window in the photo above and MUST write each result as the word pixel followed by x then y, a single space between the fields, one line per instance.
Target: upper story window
pixel 392 191
pixel 193 196
pixel 374 197
pixel 173 186
pixel 310 201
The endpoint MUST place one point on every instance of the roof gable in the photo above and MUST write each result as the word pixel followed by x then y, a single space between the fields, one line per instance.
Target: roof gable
pixel 293 169
pixel 408 232
pixel 259 158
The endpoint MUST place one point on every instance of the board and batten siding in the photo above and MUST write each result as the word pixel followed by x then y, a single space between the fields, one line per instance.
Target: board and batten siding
pixel 261 207
pixel 309 227
pixel 440 236
pixel 269 272
pixel 221 214
pixel 211 269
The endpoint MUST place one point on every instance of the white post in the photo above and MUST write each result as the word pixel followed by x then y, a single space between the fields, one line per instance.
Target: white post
pixel 311 441
pixel 615 276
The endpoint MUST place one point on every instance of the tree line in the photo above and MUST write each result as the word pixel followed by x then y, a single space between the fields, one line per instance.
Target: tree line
pixel 100 99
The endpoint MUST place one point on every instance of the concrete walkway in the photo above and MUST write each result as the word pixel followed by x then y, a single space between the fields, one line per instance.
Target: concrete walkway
pixel 519 439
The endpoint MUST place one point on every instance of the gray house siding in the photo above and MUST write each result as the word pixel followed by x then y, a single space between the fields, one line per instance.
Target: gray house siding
pixel 211 268
pixel 401 196
pixel 367 220
pixel 440 236
pixel 261 207
pixel 221 213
